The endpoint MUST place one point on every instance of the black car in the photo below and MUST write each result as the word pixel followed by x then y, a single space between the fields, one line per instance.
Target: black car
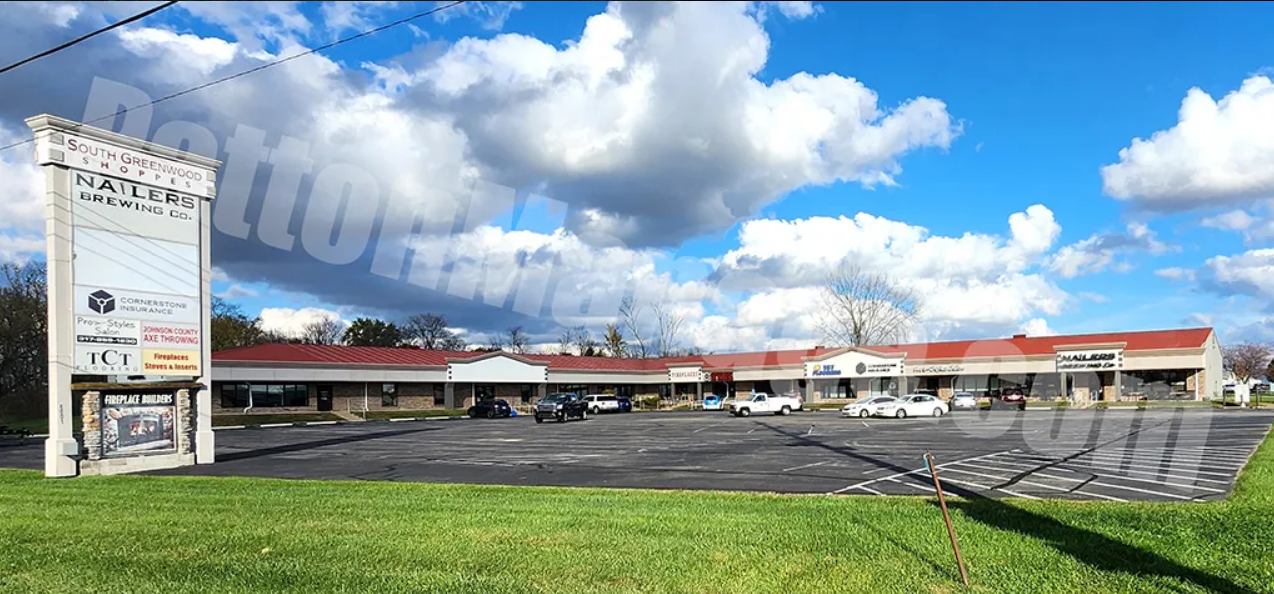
pixel 561 407
pixel 490 409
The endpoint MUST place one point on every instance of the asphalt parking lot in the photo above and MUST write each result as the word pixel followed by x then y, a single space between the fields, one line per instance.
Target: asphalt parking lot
pixel 1120 455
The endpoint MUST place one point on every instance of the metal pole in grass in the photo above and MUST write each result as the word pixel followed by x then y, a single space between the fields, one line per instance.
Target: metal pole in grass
pixel 946 516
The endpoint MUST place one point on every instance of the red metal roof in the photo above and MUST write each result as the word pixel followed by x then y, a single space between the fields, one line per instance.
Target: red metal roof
pixel 996 347
pixel 1018 346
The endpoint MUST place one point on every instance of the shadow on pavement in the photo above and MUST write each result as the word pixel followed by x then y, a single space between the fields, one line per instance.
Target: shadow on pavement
pixel 1088 547
pixel 319 443
pixel 850 453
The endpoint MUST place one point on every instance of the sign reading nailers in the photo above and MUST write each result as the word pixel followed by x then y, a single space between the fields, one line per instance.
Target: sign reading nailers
pixel 116 205
pixel 1103 360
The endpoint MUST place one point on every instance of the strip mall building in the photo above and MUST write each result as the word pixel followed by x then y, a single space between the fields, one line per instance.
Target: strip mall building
pixel 1168 364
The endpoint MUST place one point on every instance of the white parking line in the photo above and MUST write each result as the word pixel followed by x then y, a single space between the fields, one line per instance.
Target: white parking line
pixel 913 485
pixel 1165 459
pixel 1080 468
pixel 1120 467
pixel 711 426
pixel 1116 477
pixel 1084 462
pixel 807 466
pixel 1165 494
pixel 918 470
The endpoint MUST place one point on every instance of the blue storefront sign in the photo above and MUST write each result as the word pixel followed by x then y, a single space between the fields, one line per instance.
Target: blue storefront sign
pixel 826 370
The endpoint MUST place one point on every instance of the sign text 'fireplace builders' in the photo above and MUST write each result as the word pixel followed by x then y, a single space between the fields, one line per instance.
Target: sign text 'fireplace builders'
pixel 138 422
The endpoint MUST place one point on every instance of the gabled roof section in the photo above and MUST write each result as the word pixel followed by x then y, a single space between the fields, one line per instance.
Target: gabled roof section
pixel 470 358
pixel 866 351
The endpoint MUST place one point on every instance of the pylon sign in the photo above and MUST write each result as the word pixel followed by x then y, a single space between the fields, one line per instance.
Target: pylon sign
pixel 129 279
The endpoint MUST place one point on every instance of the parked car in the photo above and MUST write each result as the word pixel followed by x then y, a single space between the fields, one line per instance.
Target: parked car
pixel 913 405
pixel 490 409
pixel 625 403
pixel 764 403
pixel 1013 398
pixel 865 407
pixel 713 402
pixel 561 407
pixel 600 403
pixel 964 401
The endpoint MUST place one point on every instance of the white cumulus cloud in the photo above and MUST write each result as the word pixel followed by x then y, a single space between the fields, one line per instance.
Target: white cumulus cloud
pixel 1218 153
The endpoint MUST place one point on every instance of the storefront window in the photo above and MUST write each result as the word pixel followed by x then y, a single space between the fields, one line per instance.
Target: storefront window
pixel 883 386
pixel 972 384
pixel 1158 384
pixel 389 395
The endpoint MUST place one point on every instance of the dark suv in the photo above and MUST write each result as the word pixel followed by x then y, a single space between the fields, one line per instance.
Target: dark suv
pixel 490 409
pixel 1013 398
pixel 561 407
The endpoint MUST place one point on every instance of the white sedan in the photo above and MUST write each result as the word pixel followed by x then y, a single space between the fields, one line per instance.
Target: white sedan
pixel 913 405
pixel 865 407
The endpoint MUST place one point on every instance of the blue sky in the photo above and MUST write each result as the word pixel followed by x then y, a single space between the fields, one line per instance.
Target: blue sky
pixel 1040 97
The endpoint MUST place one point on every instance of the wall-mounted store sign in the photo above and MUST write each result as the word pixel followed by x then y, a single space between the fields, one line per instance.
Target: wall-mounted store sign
pixel 825 370
pixel 853 364
pixel 685 375
pixel 1105 360
pixel 937 369
pixel 723 376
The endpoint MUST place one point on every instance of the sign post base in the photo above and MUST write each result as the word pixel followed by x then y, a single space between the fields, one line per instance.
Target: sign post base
pixel 60 457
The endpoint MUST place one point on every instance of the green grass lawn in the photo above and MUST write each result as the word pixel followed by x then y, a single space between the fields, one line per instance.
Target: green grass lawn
pixel 160 534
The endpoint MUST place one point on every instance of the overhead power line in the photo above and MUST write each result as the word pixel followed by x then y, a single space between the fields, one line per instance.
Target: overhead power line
pixel 254 69
pixel 137 17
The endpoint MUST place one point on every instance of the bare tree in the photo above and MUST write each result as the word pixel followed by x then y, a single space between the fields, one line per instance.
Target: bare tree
pixel 667 328
pixel 613 341
pixel 630 315
pixel 1247 360
pixel 430 331
pixel 566 342
pixel 517 340
pixel 585 343
pixel 325 330
pixel 862 308
pixel 495 343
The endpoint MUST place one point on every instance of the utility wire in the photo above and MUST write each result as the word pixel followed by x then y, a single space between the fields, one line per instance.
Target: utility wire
pixel 131 19
pixel 320 48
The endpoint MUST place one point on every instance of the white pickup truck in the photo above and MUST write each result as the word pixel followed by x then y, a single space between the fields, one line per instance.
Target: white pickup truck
pixel 764 403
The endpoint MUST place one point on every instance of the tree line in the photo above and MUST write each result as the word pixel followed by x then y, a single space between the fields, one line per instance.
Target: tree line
pixel 640 332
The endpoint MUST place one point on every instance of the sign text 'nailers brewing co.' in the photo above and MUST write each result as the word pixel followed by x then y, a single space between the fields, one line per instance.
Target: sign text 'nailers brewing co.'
pixel 121 206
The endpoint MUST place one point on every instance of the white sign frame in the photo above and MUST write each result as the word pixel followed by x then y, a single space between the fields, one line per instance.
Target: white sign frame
pixel 62 146
pixel 685 375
